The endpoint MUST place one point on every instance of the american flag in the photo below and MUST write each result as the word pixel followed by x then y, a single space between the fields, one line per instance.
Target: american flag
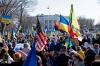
pixel 40 37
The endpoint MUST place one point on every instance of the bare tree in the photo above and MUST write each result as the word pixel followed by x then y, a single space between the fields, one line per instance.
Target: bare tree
pixel 89 23
pixel 9 7
pixel 86 24
pixel 16 8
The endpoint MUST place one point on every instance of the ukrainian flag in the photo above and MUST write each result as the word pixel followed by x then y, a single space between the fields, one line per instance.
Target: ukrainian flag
pixel 68 43
pixel 63 24
pixel 6 19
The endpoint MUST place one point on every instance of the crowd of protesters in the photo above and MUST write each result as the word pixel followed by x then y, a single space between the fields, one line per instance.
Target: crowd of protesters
pixel 54 54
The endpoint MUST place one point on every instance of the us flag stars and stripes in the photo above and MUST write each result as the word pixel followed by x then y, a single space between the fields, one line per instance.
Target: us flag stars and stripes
pixel 40 37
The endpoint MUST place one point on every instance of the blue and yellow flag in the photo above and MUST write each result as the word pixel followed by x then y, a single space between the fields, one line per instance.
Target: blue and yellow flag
pixel 68 43
pixel 64 24
pixel 6 19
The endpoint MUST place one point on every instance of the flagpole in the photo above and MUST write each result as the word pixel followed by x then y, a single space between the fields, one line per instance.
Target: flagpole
pixel 71 21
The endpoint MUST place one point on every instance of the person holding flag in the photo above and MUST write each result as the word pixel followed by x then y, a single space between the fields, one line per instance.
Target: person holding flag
pixel 39 45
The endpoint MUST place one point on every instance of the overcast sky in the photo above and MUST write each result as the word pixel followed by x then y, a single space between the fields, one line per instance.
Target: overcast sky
pixel 85 8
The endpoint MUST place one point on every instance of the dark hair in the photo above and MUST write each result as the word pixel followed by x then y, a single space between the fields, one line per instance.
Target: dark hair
pixel 63 47
pixel 3 51
pixel 1 44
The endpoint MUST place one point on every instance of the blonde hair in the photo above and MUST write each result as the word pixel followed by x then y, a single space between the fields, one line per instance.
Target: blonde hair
pixel 17 56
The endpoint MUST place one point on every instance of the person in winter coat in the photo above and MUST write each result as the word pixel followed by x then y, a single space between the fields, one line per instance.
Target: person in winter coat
pixel 89 57
pixel 63 59
pixel 81 52
pixel 77 60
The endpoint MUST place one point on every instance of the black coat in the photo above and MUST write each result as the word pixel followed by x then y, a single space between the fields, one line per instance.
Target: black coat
pixel 96 63
pixel 13 64
pixel 62 60
pixel 89 57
